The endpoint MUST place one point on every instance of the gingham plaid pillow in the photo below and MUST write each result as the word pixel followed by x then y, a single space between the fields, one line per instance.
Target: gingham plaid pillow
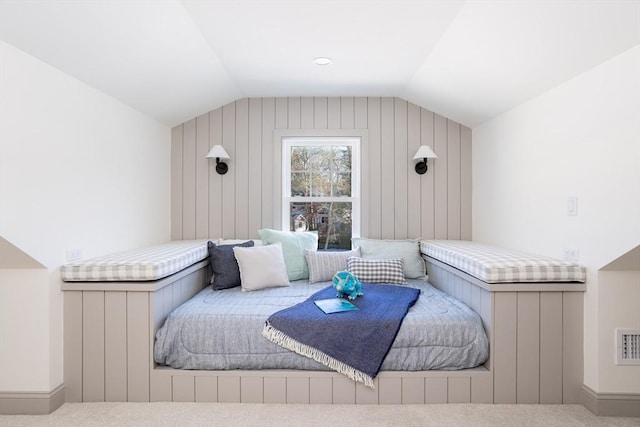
pixel 377 270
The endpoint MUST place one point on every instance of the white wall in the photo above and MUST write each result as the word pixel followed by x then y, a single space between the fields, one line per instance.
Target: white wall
pixel 78 169
pixel 579 139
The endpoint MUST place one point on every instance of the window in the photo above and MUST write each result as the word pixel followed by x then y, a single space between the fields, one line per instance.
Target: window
pixel 321 189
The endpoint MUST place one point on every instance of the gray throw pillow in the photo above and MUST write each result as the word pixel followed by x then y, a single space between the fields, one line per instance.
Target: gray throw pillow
pixel 324 265
pixel 226 273
pixel 377 270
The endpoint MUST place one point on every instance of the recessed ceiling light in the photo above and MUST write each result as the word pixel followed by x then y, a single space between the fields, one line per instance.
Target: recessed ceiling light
pixel 322 60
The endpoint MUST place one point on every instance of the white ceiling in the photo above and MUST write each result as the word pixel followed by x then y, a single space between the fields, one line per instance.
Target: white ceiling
pixel 467 60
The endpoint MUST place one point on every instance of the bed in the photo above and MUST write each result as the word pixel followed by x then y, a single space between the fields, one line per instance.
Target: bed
pixel 534 331
pixel 221 330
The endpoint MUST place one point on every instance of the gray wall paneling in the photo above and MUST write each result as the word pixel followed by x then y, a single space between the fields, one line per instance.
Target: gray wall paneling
pixel 247 198
pixel 535 337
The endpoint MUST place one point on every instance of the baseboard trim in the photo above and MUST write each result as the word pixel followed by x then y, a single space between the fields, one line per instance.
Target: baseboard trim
pixel 611 404
pixel 31 403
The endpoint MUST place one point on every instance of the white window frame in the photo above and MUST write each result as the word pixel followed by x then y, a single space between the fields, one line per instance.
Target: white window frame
pixel 321 141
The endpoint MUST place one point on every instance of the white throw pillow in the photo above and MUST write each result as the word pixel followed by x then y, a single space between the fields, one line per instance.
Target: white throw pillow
pixel 261 267
pixel 293 245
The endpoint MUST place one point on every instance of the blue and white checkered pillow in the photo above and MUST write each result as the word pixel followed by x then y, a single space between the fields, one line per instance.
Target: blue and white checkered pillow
pixel 377 270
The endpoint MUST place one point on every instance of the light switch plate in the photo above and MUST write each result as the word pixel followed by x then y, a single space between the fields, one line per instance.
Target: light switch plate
pixel 572 206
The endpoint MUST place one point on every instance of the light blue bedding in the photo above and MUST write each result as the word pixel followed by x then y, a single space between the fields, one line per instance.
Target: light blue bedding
pixel 221 330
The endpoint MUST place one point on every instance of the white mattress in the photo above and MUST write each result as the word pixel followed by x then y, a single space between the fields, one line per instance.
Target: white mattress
pixel 498 265
pixel 142 264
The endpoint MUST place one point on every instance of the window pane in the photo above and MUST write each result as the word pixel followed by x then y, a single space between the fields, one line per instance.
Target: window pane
pixel 328 171
pixel 341 184
pixel 300 184
pixel 332 221
pixel 300 158
pixel 320 184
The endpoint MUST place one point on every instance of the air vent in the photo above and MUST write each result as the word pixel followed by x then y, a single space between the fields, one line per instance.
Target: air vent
pixel 627 347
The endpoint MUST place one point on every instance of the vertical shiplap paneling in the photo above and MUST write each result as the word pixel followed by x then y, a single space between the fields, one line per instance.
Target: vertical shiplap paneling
pixel 176 183
pixel 486 313
pixel 160 389
pixel 413 390
pixel 414 199
pixel 268 158
pixel 255 168
pixel 229 389
pixel 229 180
pixel 375 165
pixel 465 183
pixel 439 169
pixel 189 180
pixel 453 180
pixel 306 112
pixel 241 162
pixel 505 346
pixel 215 180
pixel 138 340
pixel 248 197
pixel 344 391
pixel 436 390
pixel 282 122
pixel 366 395
pixel 297 390
pixel 202 176
pixel 294 112
pixel 360 112
pixel 401 162
pixel 93 346
pixel 333 113
pixel 427 192
pixel 550 347
pixel 275 390
pixel 528 350
pixel 251 389
pixel 320 391
pixel 206 389
pixel 281 113
pixel 572 343
pixel 387 168
pixel 184 389
pixel 390 390
pixel 73 346
pixel 360 106
pixel 115 344
pixel 320 113
pixel 482 388
pixel 459 390
pixel 347 113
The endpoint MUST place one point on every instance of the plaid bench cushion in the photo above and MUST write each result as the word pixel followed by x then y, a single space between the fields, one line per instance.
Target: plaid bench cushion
pixel 498 265
pixel 142 264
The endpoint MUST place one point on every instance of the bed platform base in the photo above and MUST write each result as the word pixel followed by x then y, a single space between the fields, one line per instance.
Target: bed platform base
pixel 535 344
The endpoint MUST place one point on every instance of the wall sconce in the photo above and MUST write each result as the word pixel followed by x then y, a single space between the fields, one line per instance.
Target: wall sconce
pixel 218 152
pixel 424 152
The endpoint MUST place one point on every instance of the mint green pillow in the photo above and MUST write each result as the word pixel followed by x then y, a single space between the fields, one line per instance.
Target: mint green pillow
pixel 294 244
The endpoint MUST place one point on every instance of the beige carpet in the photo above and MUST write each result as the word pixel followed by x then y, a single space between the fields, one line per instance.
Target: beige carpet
pixel 235 414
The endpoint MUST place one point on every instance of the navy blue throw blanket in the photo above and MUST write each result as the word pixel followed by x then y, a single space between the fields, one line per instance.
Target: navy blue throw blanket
pixel 353 343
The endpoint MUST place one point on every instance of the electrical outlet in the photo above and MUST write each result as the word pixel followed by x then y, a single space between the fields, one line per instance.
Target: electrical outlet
pixel 74 254
pixel 571 254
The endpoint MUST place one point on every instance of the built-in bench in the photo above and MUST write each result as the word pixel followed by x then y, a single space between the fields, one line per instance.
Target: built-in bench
pixel 115 304
pixel 536 303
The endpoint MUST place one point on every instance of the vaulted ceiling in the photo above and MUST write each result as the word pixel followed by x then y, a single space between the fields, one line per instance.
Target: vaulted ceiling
pixel 467 60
